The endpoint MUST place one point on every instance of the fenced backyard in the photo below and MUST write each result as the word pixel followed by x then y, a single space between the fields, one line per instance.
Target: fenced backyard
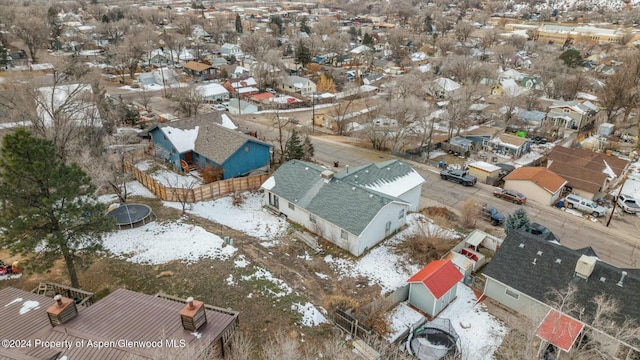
pixel 209 191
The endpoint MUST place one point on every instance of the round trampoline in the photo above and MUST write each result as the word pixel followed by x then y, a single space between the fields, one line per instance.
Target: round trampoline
pixel 131 215
pixel 434 341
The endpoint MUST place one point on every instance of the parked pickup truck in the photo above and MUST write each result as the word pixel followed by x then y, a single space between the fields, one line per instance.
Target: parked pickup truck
pixel 459 176
pixel 628 204
pixel 584 205
pixel 492 215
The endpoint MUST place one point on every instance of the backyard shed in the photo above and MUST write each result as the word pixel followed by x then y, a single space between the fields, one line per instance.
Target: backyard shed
pixel 434 287
pixel 483 171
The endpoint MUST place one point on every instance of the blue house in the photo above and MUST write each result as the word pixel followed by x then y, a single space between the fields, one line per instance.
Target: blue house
pixel 207 141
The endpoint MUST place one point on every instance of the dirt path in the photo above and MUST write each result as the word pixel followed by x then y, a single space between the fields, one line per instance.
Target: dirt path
pixel 293 262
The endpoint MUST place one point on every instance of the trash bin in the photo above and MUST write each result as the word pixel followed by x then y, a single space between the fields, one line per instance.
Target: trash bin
pixel 440 164
pixel 336 163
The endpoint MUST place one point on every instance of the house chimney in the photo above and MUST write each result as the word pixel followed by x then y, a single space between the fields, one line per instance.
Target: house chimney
pixel 62 311
pixel 193 315
pixel 624 274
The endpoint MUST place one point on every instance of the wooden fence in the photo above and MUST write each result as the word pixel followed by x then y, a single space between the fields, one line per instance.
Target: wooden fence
pixel 51 289
pixel 205 192
pixel 350 324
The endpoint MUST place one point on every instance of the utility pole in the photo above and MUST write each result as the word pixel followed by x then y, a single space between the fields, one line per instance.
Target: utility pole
pixel 313 112
pixel 615 201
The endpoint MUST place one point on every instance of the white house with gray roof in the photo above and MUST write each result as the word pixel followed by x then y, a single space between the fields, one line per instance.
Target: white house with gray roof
pixel 354 209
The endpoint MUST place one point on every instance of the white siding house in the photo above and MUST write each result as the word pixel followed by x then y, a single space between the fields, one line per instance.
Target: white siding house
pixel 346 213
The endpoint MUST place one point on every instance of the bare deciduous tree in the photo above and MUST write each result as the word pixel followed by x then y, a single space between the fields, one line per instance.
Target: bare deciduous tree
pixel 188 100
pixel 31 27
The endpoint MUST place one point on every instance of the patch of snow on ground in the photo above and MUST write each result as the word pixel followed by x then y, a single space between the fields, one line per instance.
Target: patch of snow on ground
pixel 172 179
pixel 322 276
pixel 401 318
pixel 10 276
pixel 382 265
pixel 263 274
pixel 144 165
pixel 480 333
pixel 241 262
pixel 249 217
pixel 310 315
pixel 134 188
pixel 306 256
pixel 157 243
pixel 230 281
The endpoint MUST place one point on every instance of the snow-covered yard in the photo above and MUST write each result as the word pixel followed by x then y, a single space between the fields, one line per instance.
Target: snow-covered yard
pixel 159 243
pixel 480 333
pixel 134 188
pixel 382 265
pixel 248 217
pixel 175 180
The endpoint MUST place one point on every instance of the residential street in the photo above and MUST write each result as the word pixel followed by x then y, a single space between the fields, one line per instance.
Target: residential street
pixel 615 244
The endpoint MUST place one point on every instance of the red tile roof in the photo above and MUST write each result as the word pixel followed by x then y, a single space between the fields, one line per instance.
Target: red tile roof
pixel 438 276
pixel 541 176
pixel 559 330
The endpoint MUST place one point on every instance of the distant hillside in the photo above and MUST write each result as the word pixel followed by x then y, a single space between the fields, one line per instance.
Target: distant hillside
pixel 563 5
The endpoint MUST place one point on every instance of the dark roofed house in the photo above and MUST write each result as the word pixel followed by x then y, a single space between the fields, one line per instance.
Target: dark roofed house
pixel 354 209
pixel 208 140
pixel 587 172
pixel 526 271
pixel 122 315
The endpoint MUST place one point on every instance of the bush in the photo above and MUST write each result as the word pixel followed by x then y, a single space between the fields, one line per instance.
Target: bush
pixel 427 244
pixel 340 302
pixel 237 199
pixel 211 174
pixel 469 214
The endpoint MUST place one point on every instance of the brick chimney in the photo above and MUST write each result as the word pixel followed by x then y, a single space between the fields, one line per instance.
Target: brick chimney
pixel 193 315
pixel 62 311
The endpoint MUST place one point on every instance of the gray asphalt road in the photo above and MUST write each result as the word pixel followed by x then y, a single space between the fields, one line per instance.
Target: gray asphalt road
pixel 616 244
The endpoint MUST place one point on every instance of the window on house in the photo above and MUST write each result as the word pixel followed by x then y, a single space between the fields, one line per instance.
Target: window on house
pixel 292 206
pixel 566 110
pixel 344 235
pixel 401 214
pixel 387 228
pixel 274 201
pixel 165 137
pixel 312 218
pixel 512 293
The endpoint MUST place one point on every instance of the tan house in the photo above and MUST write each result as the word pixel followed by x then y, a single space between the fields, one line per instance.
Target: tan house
pixel 571 114
pixel 324 120
pixel 588 173
pixel 483 171
pixel 536 183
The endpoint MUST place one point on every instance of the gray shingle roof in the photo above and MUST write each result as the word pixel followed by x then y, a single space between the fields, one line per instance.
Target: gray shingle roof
pixel 214 141
pixel 349 206
pixel 513 266
pixel 385 171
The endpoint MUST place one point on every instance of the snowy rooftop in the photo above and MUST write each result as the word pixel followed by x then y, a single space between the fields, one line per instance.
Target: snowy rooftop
pixel 183 140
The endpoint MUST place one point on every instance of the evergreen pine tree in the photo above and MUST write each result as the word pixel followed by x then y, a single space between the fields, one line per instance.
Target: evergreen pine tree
pixel 308 149
pixel 303 55
pixel 49 209
pixel 293 149
pixel 367 40
pixel 519 220
pixel 238 24
pixel 4 58
pixel 304 25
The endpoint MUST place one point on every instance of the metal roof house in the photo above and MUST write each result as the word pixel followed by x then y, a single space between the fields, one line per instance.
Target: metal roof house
pixel 354 209
pixel 123 325
pixel 206 141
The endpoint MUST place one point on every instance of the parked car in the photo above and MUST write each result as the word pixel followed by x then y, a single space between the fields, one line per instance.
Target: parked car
pixel 584 205
pixel 542 231
pixel 459 176
pixel 271 91
pixel 629 204
pixel 492 215
pixel 510 195
pixel 218 107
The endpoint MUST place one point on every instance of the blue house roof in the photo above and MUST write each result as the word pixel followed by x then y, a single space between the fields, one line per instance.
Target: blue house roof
pixel 533 115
